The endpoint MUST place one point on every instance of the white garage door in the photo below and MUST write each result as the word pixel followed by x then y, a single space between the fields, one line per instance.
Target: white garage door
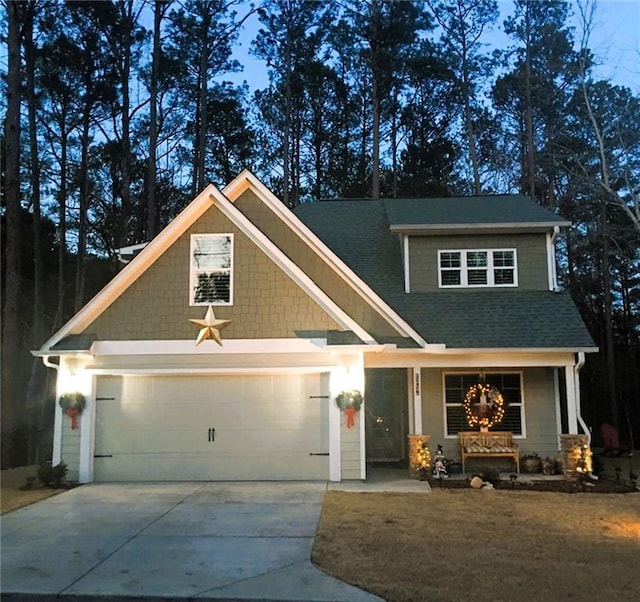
pixel 177 428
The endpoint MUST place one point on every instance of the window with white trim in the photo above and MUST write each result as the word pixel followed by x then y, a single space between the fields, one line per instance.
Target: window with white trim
pixel 477 268
pixel 211 274
pixel 509 384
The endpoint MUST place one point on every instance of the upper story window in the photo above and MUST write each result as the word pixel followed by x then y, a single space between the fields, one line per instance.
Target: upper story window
pixel 211 277
pixel 477 267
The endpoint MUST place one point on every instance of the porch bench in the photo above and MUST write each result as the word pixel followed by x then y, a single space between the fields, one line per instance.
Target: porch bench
pixel 492 444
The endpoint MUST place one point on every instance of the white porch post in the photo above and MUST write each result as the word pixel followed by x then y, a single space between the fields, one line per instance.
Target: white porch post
pixel 349 375
pixel 417 400
pixel 556 393
pixel 360 380
pixel 87 436
pixel 572 406
pixel 335 448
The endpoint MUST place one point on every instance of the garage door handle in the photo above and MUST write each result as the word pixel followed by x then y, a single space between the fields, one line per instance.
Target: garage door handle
pixel 212 434
pixel 319 453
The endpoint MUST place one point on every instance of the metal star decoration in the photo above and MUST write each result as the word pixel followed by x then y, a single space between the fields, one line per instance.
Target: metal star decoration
pixel 210 327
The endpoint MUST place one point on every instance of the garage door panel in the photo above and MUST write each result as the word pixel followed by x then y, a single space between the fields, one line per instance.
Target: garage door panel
pixel 266 427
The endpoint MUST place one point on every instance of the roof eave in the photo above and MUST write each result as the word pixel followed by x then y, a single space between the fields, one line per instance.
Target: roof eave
pixel 452 350
pixel 486 228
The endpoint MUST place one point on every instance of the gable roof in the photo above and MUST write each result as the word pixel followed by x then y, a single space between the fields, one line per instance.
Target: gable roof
pixel 209 197
pixel 147 254
pixel 470 319
pixel 246 180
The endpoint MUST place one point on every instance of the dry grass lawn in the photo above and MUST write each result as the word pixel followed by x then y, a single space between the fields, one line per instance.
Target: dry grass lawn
pixel 483 545
pixel 13 497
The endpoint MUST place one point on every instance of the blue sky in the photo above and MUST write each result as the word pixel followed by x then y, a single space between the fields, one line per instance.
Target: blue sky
pixel 615 40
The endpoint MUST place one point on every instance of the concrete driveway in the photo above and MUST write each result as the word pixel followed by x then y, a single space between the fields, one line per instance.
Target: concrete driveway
pixel 220 541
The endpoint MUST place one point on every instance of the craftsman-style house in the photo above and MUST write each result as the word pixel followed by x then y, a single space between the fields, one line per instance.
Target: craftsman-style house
pixel 219 350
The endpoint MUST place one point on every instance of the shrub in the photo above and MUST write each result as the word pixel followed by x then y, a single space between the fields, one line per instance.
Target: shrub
pixel 52 476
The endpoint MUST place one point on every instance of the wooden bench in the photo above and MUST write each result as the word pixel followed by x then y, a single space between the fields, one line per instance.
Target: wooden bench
pixel 493 444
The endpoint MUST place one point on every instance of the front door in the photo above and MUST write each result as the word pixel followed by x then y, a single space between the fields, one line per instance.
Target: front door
pixel 386 415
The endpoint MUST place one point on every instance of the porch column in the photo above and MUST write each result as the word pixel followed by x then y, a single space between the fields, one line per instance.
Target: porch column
pixel 556 393
pixel 335 444
pixel 416 379
pixel 572 406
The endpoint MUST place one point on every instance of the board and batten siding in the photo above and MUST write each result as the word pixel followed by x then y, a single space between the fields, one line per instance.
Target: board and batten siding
pixel 70 447
pixel 539 411
pixel 350 448
pixel 531 253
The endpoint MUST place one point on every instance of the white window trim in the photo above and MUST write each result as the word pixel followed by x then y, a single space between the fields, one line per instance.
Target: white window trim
pixel 464 269
pixel 523 422
pixel 192 271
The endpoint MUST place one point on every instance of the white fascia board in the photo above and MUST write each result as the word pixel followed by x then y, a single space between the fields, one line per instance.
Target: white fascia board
pixel 129 274
pixel 289 267
pixel 472 359
pixel 208 347
pixel 247 180
pixel 477 350
pixel 461 228
pixel 350 349
pixel 318 369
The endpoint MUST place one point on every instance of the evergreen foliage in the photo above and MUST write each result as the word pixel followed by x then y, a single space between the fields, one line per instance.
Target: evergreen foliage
pixel 103 145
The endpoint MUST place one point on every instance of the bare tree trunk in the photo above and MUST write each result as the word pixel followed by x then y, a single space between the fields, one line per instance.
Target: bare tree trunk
pixel 471 141
pixel 608 320
pixel 530 153
pixel 286 142
pixel 125 143
pixel 34 162
pixel 10 331
pixel 375 151
pixel 375 116
pixel 62 217
pixel 81 257
pixel 35 389
pixel 160 8
pixel 202 123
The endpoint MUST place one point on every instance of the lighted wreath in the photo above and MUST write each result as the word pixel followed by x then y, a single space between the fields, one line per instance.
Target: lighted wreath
pixel 72 405
pixel 350 402
pixel 483 406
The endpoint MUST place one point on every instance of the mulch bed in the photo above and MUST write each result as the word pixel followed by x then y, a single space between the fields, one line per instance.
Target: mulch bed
pixel 602 485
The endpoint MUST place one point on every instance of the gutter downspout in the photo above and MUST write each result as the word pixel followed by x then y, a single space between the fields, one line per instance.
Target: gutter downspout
pixel 552 272
pixel 56 454
pixel 576 369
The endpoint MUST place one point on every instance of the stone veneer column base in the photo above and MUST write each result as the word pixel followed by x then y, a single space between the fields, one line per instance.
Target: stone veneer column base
pixel 415 444
pixel 567 444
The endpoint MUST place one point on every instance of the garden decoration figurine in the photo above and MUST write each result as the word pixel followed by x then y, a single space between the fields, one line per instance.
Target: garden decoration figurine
pixel 72 405
pixel 350 402
pixel 440 464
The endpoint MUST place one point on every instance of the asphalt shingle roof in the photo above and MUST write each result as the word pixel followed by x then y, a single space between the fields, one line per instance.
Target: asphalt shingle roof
pixel 359 233
pixel 514 209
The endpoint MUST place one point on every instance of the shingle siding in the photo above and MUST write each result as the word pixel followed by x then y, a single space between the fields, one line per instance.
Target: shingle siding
pixel 266 302
pixel 319 271
pixel 530 249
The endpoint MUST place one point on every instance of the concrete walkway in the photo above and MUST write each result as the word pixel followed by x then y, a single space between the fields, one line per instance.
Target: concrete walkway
pixel 170 541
